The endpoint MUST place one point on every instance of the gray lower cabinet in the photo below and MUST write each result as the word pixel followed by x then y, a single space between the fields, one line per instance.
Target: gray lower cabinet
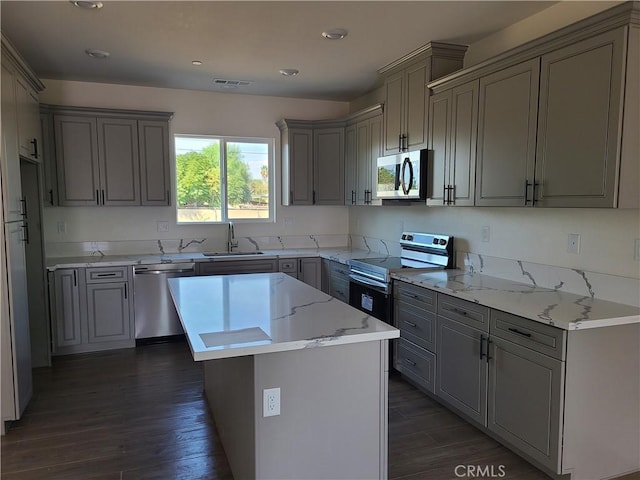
pixel 337 279
pixel 92 309
pixel 232 267
pixel 305 269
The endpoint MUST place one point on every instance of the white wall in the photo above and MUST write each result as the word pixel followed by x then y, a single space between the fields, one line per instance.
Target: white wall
pixel 196 112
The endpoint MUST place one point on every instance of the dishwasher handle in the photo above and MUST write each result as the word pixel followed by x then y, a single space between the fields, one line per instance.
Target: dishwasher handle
pixel 155 270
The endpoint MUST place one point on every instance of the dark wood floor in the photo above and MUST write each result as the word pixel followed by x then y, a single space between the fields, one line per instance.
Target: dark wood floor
pixel 141 414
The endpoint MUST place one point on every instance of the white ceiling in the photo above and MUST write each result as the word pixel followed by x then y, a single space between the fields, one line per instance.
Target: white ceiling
pixel 152 43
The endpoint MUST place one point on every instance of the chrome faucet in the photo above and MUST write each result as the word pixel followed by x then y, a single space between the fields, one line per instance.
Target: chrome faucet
pixel 231 238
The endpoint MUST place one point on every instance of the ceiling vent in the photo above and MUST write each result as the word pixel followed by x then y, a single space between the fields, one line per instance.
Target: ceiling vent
pixel 226 83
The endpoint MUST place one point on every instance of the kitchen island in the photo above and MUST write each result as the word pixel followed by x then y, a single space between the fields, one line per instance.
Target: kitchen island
pixel 328 360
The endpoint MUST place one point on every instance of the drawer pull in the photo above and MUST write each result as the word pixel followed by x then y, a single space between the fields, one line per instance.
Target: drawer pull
pixel 515 330
pixel 482 354
pixel 411 324
pixel 459 312
pixel 340 292
pixel 410 362
pixel 113 274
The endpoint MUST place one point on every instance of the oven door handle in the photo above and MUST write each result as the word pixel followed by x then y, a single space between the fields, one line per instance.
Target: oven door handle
pixel 381 286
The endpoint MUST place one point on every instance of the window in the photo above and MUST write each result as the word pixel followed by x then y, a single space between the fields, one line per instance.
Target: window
pixel 219 179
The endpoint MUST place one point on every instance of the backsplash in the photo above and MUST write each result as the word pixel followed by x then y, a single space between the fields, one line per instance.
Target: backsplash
pixel 580 282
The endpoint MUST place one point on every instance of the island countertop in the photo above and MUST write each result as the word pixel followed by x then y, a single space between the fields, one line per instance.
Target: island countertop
pixel 234 315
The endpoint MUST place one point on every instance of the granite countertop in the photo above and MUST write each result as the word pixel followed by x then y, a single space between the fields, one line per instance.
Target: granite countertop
pixel 342 255
pixel 264 313
pixel 553 307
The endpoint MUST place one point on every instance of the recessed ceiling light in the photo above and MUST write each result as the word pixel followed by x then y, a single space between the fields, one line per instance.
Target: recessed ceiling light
pixel 289 72
pixel 335 34
pixel 197 63
pixel 95 53
pixel 86 4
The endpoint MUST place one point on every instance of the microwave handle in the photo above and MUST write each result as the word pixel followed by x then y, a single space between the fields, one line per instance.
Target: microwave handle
pixel 406 162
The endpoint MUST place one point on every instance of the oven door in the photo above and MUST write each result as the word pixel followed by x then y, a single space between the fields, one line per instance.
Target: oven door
pixel 372 297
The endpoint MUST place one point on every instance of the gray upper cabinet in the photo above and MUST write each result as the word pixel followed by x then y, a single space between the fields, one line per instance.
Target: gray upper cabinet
pixel 313 165
pixel 76 139
pixel 110 157
pixel 50 186
pixel 29 135
pixel 119 162
pixel 363 146
pixel 328 166
pixel 407 98
pixel 579 123
pixel 507 135
pixel 155 178
pixel 453 130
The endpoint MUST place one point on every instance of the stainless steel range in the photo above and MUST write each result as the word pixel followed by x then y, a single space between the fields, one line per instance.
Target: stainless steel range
pixel 370 278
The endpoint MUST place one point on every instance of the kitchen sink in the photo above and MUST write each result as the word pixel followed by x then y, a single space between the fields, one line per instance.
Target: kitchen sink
pixel 230 254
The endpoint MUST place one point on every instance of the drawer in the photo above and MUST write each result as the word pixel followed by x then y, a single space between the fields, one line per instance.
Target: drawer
pixel 339 269
pixel 418 296
pixel 537 336
pixel 107 274
pixel 416 325
pixel 416 364
pixel 289 265
pixel 462 311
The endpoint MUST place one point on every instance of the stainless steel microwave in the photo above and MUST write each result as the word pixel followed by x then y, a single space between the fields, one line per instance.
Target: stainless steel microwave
pixel 402 176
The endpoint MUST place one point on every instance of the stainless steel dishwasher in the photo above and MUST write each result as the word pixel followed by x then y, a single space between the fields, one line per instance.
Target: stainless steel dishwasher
pixel 155 313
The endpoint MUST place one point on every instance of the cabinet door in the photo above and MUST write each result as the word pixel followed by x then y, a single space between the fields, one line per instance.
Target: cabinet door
pixel 301 166
pixel 50 183
pixel 108 312
pixel 119 161
pixel 416 106
pixel 363 154
pixel 508 103
pixel 155 179
pixel 350 165
pixel 76 140
pixel 578 124
pixel 439 135
pixel 525 400
pixel 461 380
pixel 393 112
pixel 375 147
pixel 328 166
pixel 28 120
pixel 67 316
pixel 310 271
pixel 12 194
pixel 464 127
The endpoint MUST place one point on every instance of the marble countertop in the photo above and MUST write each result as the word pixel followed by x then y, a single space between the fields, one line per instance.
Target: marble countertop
pixel 234 315
pixel 560 309
pixel 342 255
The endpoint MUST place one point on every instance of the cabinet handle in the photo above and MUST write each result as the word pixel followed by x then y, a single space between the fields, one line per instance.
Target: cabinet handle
pixel 102 197
pixel 125 291
pixel 340 292
pixel 533 198
pixel 75 278
pixel 400 143
pixel 313 199
pixel 113 274
pixel 97 197
pixel 34 142
pixel 410 362
pixel 411 324
pixel 168 197
pixel 51 195
pixel 489 342
pixel 527 184
pixel 515 330
pixel 23 201
pixel 353 197
pixel 458 311
pixel 482 354
pixel 25 238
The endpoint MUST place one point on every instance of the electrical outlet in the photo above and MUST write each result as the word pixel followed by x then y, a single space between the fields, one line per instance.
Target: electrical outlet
pixel 271 402
pixel 636 250
pixel 62 227
pixel 163 226
pixel 573 243
pixel 485 234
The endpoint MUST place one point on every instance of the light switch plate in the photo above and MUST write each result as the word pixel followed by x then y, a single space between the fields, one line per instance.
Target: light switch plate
pixel 486 234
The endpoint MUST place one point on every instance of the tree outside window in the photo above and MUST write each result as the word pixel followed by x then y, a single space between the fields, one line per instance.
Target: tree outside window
pixel 220 179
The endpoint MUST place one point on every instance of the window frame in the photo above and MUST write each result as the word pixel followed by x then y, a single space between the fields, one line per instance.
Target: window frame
pixel 224 209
